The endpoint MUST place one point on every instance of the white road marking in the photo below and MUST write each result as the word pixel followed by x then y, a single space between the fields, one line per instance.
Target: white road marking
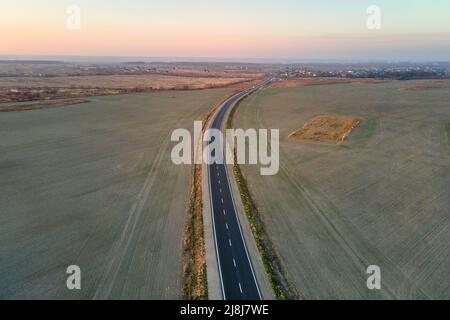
pixel 221 199
pixel 220 190
pixel 224 213
pixel 234 262
pixel 240 288
pixel 229 241
pixel 219 181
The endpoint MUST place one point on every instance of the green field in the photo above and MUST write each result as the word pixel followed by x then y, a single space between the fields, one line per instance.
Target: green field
pixel 93 185
pixel 380 198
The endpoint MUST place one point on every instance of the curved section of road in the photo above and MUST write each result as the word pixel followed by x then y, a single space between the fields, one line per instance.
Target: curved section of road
pixel 237 277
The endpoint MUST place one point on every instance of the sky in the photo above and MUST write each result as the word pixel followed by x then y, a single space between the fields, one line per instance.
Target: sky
pixel 261 29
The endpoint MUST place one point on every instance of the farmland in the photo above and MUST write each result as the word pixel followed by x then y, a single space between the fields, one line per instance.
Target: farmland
pixel 33 88
pixel 381 197
pixel 32 81
pixel 93 185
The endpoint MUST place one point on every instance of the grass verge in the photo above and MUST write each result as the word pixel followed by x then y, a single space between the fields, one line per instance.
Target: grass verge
pixel 282 288
pixel 195 285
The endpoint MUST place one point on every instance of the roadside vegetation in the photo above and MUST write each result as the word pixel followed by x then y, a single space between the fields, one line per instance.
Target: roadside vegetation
pixel 195 286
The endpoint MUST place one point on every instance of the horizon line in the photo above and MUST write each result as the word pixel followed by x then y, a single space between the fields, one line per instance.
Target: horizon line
pixel 199 59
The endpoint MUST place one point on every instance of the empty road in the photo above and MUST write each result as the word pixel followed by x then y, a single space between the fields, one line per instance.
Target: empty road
pixel 238 280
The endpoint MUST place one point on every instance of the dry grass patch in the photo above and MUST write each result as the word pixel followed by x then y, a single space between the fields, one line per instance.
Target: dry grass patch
pixel 20 89
pixel 327 128
pixel 195 286
pixel 156 82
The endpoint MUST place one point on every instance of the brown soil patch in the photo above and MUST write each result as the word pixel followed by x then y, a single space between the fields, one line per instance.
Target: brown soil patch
pixel 327 128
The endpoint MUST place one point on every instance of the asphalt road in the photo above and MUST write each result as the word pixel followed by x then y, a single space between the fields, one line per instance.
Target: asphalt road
pixel 238 280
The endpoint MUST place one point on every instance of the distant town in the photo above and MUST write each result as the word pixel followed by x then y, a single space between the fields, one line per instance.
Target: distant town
pixel 398 71
pixel 401 71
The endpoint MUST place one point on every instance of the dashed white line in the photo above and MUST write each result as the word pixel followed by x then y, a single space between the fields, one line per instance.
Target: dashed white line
pixel 226 225
pixel 224 212
pixel 221 199
pixel 234 262
pixel 219 181
pixel 229 241
pixel 220 189
pixel 240 288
